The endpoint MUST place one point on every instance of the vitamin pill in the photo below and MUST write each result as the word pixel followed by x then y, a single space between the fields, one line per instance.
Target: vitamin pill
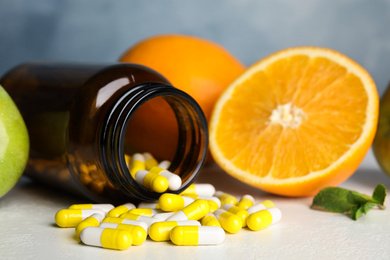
pixel 128 160
pixel 213 206
pixel 163 216
pixel 73 217
pixel 106 238
pixel 138 234
pixel 164 164
pixel 263 218
pixel 174 181
pixel 201 197
pixel 194 211
pixel 105 207
pixel 92 221
pixel 229 222
pixel 144 225
pixel 201 189
pixel 151 181
pixel 173 202
pixel 246 202
pixel 116 212
pixel 150 162
pixel 197 235
pixel 160 231
pixel 226 198
pixel 137 163
pixel 148 220
pixel 148 212
pixel 152 205
pixel 242 213
pixel 210 220
pixel 260 206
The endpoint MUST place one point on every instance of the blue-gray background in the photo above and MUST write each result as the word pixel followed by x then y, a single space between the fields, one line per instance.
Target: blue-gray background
pixel 101 30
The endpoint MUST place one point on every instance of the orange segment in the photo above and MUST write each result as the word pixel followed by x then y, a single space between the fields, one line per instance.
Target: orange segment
pixel 295 122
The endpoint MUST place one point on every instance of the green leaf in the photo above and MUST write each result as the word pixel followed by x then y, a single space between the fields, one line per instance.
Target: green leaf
pixel 341 200
pixel 379 194
pixel 333 199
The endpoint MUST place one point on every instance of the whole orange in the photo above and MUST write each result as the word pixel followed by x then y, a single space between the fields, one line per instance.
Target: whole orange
pixel 199 67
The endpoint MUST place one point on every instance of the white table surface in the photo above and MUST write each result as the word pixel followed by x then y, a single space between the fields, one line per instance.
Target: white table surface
pixel 28 230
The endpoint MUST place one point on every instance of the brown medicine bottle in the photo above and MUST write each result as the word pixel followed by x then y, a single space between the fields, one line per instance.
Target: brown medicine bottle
pixel 84 118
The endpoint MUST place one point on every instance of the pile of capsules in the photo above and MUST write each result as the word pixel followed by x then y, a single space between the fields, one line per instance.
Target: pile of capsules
pixel 197 216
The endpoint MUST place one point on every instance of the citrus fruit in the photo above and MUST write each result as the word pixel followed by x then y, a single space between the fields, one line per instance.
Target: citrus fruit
pixel 14 143
pixel 381 144
pixel 296 121
pixel 199 67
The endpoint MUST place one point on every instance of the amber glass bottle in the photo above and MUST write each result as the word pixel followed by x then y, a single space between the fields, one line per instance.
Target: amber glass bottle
pixel 84 119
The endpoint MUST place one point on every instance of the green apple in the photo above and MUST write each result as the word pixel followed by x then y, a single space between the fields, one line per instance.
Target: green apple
pixel 14 143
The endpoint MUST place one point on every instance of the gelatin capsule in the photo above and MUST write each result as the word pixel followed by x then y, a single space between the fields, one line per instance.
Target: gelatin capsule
pixel 163 216
pixel 173 202
pixel 138 234
pixel 242 213
pixel 105 207
pixel 148 212
pixel 201 197
pixel 91 221
pixel 106 238
pixel 164 164
pixel 151 181
pixel 194 211
pixel 197 235
pixel 150 161
pixel 137 163
pixel 229 222
pixel 160 231
pixel 226 198
pixel 246 202
pixel 116 212
pixel 73 217
pixel 201 189
pixel 174 181
pixel 260 206
pixel 144 225
pixel 264 218
pixel 148 220
pixel 210 220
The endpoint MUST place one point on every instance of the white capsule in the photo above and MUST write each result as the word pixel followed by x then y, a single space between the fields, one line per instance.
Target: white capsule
pixel 126 221
pixel 260 206
pixel 163 216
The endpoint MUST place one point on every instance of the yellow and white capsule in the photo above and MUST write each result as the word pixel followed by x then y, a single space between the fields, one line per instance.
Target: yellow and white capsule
pixel 92 221
pixel 263 218
pixel 138 234
pixel 173 202
pixel 152 181
pixel 105 207
pixel 160 231
pixel 242 213
pixel 226 198
pixel 164 164
pixel 106 238
pixel 194 211
pixel 260 206
pixel 201 189
pixel 141 224
pixel 246 202
pixel 137 163
pixel 152 205
pixel 197 235
pixel 116 212
pixel 210 220
pixel 229 221
pixel 174 181
pixel 73 217
pixel 201 197
pixel 150 161
pixel 148 212
pixel 148 220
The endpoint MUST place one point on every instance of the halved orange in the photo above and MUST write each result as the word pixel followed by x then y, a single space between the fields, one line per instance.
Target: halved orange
pixel 296 121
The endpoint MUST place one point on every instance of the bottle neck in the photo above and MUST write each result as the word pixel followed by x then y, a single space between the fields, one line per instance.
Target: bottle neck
pixel 192 143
